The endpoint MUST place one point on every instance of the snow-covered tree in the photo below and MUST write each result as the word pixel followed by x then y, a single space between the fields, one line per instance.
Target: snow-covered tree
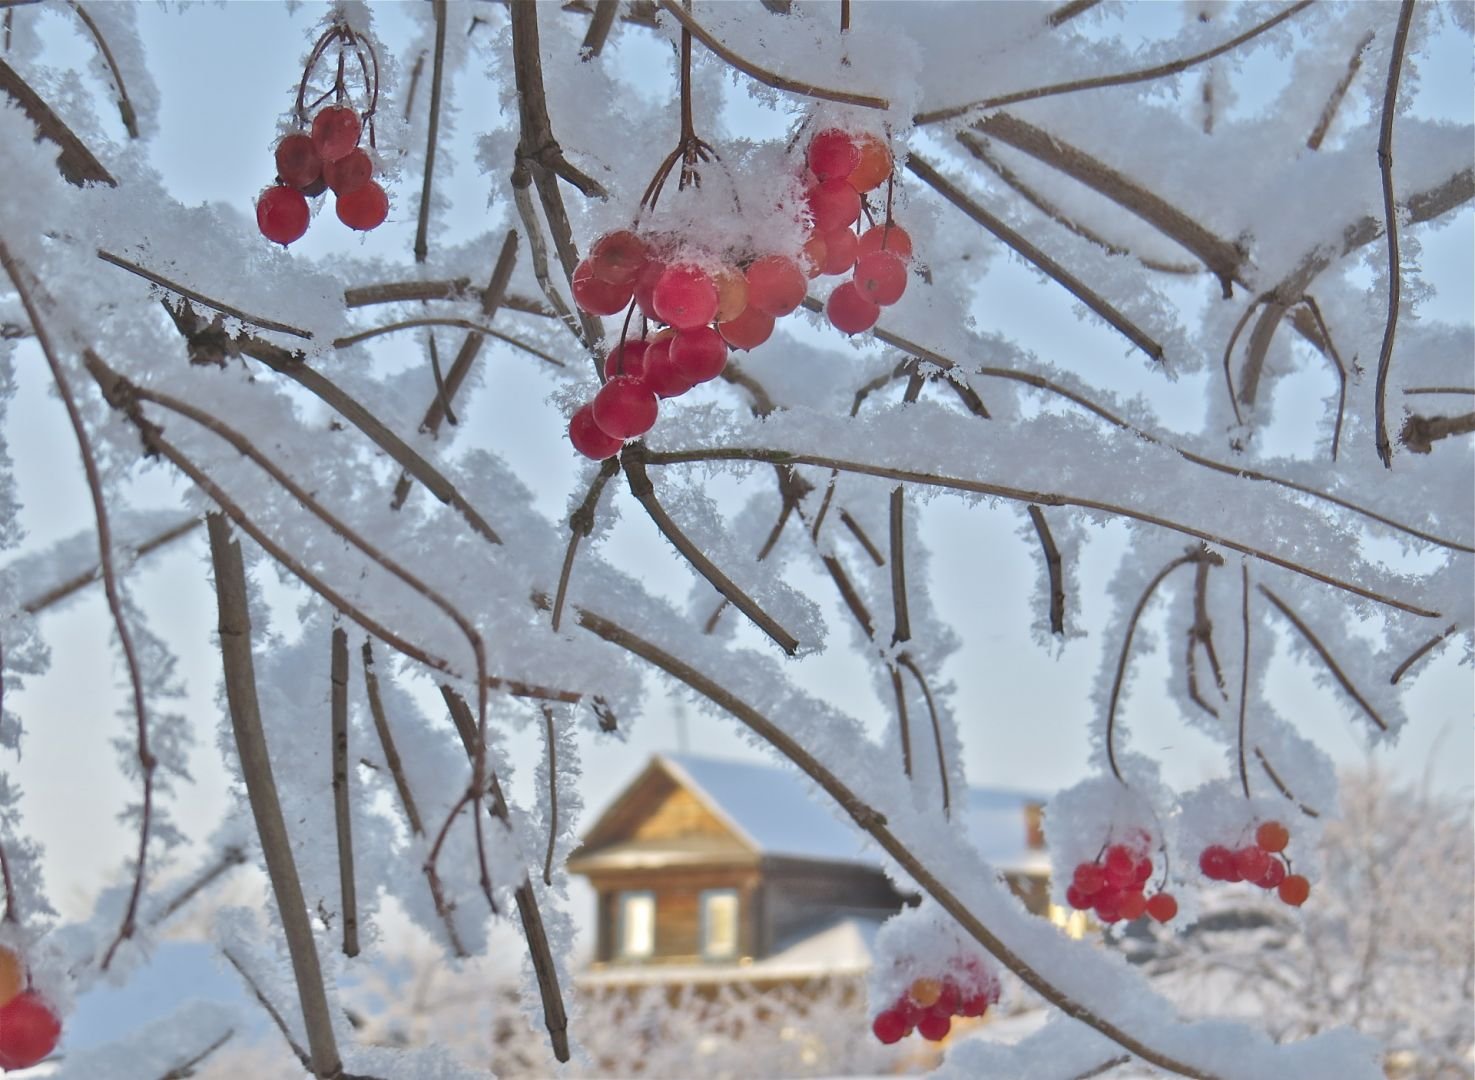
pixel 1233 196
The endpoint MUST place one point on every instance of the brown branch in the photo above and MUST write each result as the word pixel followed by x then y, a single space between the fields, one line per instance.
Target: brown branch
pixel 1464 390
pixel 873 823
pixel 230 858
pixel 581 524
pixel 1420 433
pixel 903 722
pixel 1121 666
pixel 1122 79
pixel 261 792
pixel 1339 93
pixel 762 75
pixel 57 593
pixel 1244 673
pixel 552 737
pixel 422 227
pixel 1065 12
pixel 1222 258
pixel 901 618
pixel 1281 786
pixel 633 461
pixel 271 1010
pixel 186 1069
pixel 1326 656
pixel 537 144
pixel 1390 228
pixel 391 292
pixel 201 298
pixel 1072 284
pixel 1418 654
pixel 1201 633
pixel 908 476
pixel 862 537
pixel 125 107
pixel 147 763
pixel 586 331
pixel 599 28
pixel 342 814
pixel 75 161
pixel 386 742
pixel 456 323
pixel 905 660
pixel 1052 567
pixel 415 73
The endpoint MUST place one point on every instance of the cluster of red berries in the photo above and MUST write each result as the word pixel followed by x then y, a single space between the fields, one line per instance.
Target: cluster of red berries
pixel 1115 883
pixel 708 304
pixel 328 159
pixel 29 1030
pixel 1262 863
pixel 929 1005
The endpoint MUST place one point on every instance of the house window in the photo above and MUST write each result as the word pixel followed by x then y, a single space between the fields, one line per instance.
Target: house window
pixel 637 925
pixel 719 924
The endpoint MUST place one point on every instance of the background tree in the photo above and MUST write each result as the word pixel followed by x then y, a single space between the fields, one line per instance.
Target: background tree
pixel 304 400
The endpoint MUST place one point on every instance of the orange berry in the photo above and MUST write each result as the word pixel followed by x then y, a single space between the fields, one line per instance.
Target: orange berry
pixel 732 293
pixel 1294 890
pixel 1272 836
pixel 875 163
pixel 12 975
pixel 925 992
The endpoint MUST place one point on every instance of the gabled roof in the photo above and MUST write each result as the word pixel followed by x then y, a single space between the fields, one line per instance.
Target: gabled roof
pixel 776 812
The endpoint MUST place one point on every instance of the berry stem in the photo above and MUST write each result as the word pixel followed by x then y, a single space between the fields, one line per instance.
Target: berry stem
pixel 1244 676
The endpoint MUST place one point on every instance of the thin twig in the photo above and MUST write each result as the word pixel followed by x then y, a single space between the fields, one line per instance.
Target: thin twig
pixel 1338 94
pixel 386 743
pixel 1122 79
pixel 230 858
pixel 767 78
pixel 342 812
pixel 422 227
pixel 1052 567
pixel 1069 11
pixel 633 461
pixel 57 593
pixel 1244 673
pixel 906 660
pixel 903 721
pixel 901 619
pixel 456 323
pixel 1281 786
pixel 125 107
pixel 872 822
pixel 1326 656
pixel 414 84
pixel 261 792
pixel 186 1069
pixel 1463 390
pixel 201 298
pixel 1390 227
pixel 1420 433
pixel 599 28
pixel 1074 285
pixel 75 161
pixel 390 292
pixel 552 736
pixel 147 763
pixel 1418 654
pixel 1201 633
pixel 271 1010
pixel 581 524
pixel 863 538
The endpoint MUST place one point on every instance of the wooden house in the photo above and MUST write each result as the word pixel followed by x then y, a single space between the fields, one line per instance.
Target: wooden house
pixel 708 868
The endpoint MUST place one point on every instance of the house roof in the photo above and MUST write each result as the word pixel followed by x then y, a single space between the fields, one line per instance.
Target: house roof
pixel 777 812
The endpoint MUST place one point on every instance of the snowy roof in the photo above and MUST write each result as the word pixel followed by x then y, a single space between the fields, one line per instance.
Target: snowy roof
pixel 777 812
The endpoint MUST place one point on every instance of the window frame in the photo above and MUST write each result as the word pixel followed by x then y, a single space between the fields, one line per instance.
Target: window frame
pixel 704 924
pixel 622 903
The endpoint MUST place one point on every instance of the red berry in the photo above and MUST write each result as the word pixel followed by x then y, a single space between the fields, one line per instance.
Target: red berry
pixel 948 998
pixel 1251 863
pixel 841 251
pixel 282 214
pixel 934 1026
pixel 849 311
pixel 29 1031
pixel 813 255
pixel 833 204
pixel 976 1005
pixel 776 285
pixel 1293 890
pixel 661 373
pixel 625 408
pixel 889 1026
pixel 349 173
pixel 645 286
pixel 685 296
pixel 617 257
pixel 1162 907
pixel 1275 873
pixel 892 238
pixel 882 276
pixel 335 131
pixel 1143 871
pixel 1133 906
pixel 626 359
pixel 832 155
pixel 1089 878
pixel 598 297
pixel 749 330
pixel 1121 866
pixel 298 164
pixel 1272 836
pixel 1217 863
pixel 1108 906
pixel 1076 898
pixel 875 163
pixel 587 437
pixel 699 353
pixel 363 208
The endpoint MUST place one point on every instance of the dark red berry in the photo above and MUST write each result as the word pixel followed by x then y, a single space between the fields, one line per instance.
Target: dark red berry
pixel 595 296
pixel 833 204
pixel 1076 898
pixel 625 408
pixel 1251 862
pixel 282 214
pixel 349 173
pixel 1275 873
pixel 699 353
pixel 842 248
pixel 588 438
pixel 882 276
pixel 833 154
pixel 662 375
pixel 934 1026
pixel 1162 907
pixel 1133 905
pixel 1089 878
pixel 849 311
pixel 335 131
pixel 626 359
pixel 889 1026
pixel 298 164
pixel 892 238
pixel 364 208
pixel 29 1031
pixel 617 257
pixel 1216 862
pixel 685 296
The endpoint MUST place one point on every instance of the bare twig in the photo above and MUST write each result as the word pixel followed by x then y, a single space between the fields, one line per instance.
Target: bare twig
pixel 599 28
pixel 903 721
pixel 201 298
pixel 1420 433
pixel 581 524
pixel 415 73
pixel 147 763
pixel 1201 633
pixel 342 813
pixel 391 292
pixel 1244 672
pixel 767 78
pixel 1065 12
pixel 907 661
pixel 271 827
pixel 1338 94
pixel 1462 390
pixel 75 161
pixel 552 736
pixel 1390 227
pixel 125 107
pixel 1052 567
pixel 186 1069
pixel 633 460
pixel 1074 285
pixel 1418 654
pixel 230 858
pixel 863 538
pixel 1326 656
pixel 422 227
pixel 271 1010
pixel 57 593
pixel 1280 784
pixel 456 323
pixel 872 822
pixel 386 742
pixel 1124 78
pixel 902 623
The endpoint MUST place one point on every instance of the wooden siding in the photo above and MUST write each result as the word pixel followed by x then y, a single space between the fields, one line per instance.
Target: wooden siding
pixel 678 910
pixel 679 814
